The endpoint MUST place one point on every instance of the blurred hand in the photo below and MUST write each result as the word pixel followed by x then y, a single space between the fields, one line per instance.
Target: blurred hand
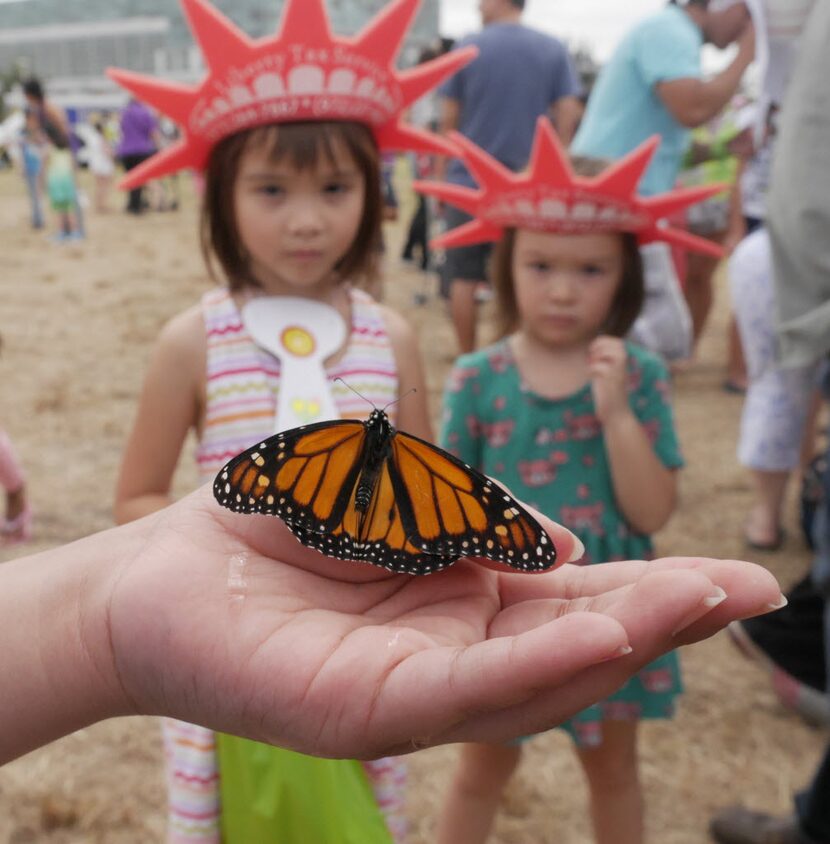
pixel 227 621
pixel 607 359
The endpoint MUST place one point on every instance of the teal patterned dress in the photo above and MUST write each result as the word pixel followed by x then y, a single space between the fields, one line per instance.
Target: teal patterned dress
pixel 551 454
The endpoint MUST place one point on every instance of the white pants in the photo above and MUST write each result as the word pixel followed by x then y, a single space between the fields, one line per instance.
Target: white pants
pixel 777 399
pixel 664 325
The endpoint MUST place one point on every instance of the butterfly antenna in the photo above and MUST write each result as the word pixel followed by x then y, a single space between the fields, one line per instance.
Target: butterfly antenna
pixel 355 391
pixel 400 398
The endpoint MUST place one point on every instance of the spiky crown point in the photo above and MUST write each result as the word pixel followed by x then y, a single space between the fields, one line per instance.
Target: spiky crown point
pixel 550 196
pixel 303 73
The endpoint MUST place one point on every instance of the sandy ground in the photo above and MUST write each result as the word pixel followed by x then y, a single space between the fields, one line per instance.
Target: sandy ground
pixel 77 325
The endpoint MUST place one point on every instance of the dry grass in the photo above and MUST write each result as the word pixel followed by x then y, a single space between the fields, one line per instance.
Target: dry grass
pixel 78 322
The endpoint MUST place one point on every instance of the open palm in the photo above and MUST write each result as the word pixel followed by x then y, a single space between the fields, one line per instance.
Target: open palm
pixel 226 621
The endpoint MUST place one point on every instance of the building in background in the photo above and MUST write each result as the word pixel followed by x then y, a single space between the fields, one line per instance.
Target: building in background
pixel 69 43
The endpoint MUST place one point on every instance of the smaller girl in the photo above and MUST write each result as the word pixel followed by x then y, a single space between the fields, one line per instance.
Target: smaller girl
pixel 574 420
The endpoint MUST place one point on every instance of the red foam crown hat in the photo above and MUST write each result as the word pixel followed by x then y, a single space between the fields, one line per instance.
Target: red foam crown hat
pixel 549 196
pixel 303 73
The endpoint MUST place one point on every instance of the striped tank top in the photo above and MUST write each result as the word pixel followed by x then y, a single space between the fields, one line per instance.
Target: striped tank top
pixel 243 379
pixel 242 388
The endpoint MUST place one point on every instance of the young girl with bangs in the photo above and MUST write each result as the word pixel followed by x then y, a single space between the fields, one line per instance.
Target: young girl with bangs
pixel 288 210
pixel 575 420
pixel 288 130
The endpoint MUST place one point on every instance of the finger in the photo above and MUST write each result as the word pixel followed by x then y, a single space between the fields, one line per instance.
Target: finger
pixel 572 581
pixel 650 612
pixel 518 618
pixel 436 690
pixel 601 342
pixel 600 369
pixel 751 589
pixel 607 343
pixel 689 594
pixel 601 351
pixel 549 708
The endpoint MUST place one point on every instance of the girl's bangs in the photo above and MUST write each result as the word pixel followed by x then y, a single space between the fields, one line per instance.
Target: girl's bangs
pixel 307 145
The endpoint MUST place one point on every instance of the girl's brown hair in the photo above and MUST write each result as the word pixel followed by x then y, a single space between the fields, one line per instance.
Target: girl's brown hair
pixel 630 294
pixel 303 144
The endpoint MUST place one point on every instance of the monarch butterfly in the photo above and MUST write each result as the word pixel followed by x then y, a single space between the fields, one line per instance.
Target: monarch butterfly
pixel 364 491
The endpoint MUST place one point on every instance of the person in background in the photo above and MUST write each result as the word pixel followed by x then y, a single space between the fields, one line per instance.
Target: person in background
pixel 561 409
pixel 424 113
pixel 519 75
pixel 777 404
pixel 653 85
pixel 292 207
pixel 776 423
pixel 708 160
pixel 165 192
pixel 31 150
pixel 100 161
pixel 52 125
pixel 718 154
pixel 139 140
pixel 798 220
pixel 778 26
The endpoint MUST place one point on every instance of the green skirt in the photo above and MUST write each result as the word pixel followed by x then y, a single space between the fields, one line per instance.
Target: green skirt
pixel 275 796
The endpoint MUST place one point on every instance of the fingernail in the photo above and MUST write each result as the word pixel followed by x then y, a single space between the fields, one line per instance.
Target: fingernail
pixel 782 602
pixel 578 551
pixel 623 650
pixel 704 607
pixel 717 598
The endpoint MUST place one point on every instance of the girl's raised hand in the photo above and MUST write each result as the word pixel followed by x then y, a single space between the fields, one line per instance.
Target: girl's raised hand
pixel 607 367
pixel 225 620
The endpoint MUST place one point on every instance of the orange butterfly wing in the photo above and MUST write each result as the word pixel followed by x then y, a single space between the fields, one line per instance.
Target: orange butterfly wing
pixel 304 475
pixel 451 510
pixel 426 509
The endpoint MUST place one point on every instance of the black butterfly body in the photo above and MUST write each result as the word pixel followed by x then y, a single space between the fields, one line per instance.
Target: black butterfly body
pixel 364 491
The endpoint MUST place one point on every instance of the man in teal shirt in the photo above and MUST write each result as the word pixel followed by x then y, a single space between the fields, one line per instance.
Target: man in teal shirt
pixel 652 85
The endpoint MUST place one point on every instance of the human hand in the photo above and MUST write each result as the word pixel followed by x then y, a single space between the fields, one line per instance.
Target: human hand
pixel 225 620
pixel 607 359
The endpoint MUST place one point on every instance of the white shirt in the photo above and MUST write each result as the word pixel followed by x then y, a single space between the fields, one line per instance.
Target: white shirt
pixel 778 26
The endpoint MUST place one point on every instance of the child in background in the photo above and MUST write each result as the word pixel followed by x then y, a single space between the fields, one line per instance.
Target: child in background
pixel 574 420
pixel 100 160
pixel 290 208
pixel 60 183
pixel 31 148
pixel 17 524
pixel 102 166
